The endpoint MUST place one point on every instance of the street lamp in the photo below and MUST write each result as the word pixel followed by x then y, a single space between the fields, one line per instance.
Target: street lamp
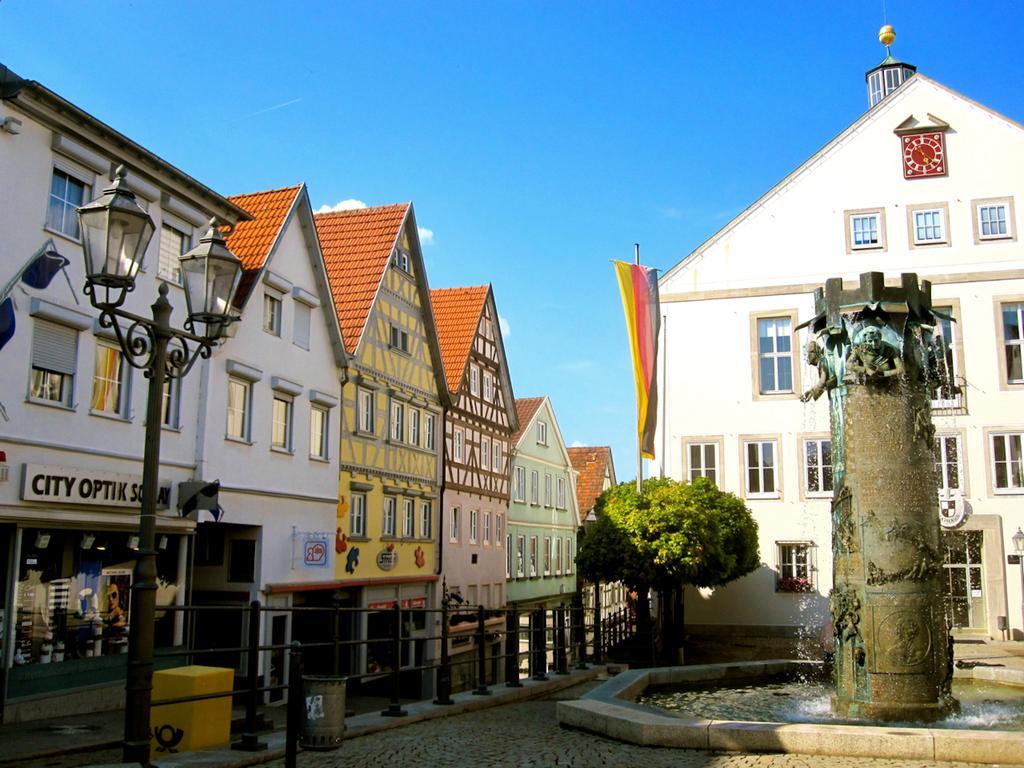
pixel 115 234
pixel 1018 547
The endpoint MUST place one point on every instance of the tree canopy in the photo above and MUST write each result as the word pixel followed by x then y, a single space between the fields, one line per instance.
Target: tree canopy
pixel 672 534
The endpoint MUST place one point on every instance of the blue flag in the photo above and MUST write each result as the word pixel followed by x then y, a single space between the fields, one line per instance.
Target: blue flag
pixel 42 270
pixel 6 321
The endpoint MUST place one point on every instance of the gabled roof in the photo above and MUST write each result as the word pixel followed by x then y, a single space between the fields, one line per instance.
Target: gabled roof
pixel 252 241
pixel 526 408
pixel 357 247
pixel 592 463
pixel 457 316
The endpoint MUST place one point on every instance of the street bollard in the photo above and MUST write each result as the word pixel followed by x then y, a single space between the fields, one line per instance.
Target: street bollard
pixel 296 706
pixel 250 741
pixel 395 706
pixel 512 648
pixel 561 657
pixel 481 650
pixel 538 645
pixel 444 669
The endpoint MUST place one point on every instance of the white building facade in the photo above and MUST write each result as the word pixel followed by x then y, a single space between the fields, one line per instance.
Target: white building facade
pixel 926 181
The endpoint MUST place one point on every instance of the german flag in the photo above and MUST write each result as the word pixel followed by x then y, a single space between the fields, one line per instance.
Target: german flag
pixel 639 288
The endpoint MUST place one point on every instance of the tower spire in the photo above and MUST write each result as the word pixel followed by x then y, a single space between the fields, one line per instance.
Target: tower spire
pixel 891 73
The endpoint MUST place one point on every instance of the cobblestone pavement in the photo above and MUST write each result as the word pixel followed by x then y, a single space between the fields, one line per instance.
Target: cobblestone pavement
pixel 527 735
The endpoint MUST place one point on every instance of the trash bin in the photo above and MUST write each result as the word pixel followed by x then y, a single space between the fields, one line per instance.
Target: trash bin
pixel 323 726
pixel 191 725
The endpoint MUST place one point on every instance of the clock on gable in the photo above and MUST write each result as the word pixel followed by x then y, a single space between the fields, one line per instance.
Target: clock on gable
pixel 924 154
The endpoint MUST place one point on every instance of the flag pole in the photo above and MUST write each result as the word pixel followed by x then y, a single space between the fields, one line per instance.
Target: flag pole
pixel 639 437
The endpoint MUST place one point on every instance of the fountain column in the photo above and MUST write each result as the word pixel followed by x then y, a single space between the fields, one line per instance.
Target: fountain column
pixel 879 362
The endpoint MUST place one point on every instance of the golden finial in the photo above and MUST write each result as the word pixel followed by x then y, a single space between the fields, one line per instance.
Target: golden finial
pixel 886 35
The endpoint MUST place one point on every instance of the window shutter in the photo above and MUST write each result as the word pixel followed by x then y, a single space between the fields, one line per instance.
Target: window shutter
pixel 54 347
pixel 302 319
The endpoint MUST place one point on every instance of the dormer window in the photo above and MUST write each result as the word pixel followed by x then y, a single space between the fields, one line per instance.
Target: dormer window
pixel 400 258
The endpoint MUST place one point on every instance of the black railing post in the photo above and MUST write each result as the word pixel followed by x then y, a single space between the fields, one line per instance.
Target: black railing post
pixel 579 625
pixel 444 669
pixel 481 649
pixel 512 647
pixel 395 705
pixel 249 741
pixel 336 662
pixel 561 656
pixel 538 644
pixel 296 706
pixel 598 639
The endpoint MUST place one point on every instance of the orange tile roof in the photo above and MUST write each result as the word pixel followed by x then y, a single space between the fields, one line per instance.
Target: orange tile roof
pixel 251 241
pixel 357 249
pixel 591 462
pixel 526 407
pixel 456 317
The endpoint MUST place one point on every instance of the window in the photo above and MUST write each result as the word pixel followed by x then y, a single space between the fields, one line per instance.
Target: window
pixel 533 556
pixel 414 427
pixel 948 467
pixel 458 444
pixel 488 387
pixel 474 380
pixel 300 329
pixel 547 489
pixel 558 556
pixel 520 556
pixel 993 220
pixel 366 411
pixel 272 314
pixel 508 557
pixel 408 518
pixel 474 522
pixel 542 433
pixel 795 570
pixel 499 465
pixel 428 431
pixel 239 392
pixel 453 528
pixel 358 525
pixel 390 513
pixel 281 424
pixel 487 527
pixel 560 493
pixel 775 355
pixel 400 258
pixel 171 404
pixel 818 467
pixel 318 432
pixel 497 529
pixel 67 194
pixel 485 453
pixel 399 339
pixel 426 520
pixel 944 394
pixel 1013 341
pixel 568 555
pixel 1007 466
pixel 397 421
pixel 929 224
pixel 534 486
pixel 109 390
pixel 547 555
pixel 519 484
pixel 760 467
pixel 865 230
pixel 173 245
pixel 703 461
pixel 54 360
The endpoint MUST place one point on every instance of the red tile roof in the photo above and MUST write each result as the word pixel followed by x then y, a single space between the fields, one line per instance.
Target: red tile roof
pixel 591 462
pixel 251 241
pixel 526 407
pixel 357 249
pixel 457 316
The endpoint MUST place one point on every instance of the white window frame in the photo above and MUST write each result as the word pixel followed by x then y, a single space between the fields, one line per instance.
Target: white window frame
pixel 408 518
pixel 68 225
pixel 533 556
pixel 487 526
pixel 453 525
pixel 398 339
pixel 474 526
pixel 952 359
pixel 795 560
pixel 498 523
pixel 400 258
pixel 273 309
pixel 288 407
pixel 568 555
pixel 547 489
pixel 547 556
pixel 815 469
pixel 520 556
pixel 1007 220
pixel 426 520
pixel 474 381
pixel 488 386
pixel 535 487
pixel 429 431
pixel 1013 463
pixel 485 453
pixel 560 492
pixel 1011 345
pixel 557 544
pixel 367 415
pixel 389 517
pixel 245 434
pixel 413 416
pixel 946 465
pixel 123 382
pixel 357 525
pixel 169 262
pixel 776 356
pixel 458 445
pixel 508 557
pixel 939 214
pixel 61 352
pixel 542 433
pixel 519 484
pixel 319 448
pixel 712 472
pixel 496 455
pixel 877 215
pixel 762 470
pixel 170 407
pixel 397 421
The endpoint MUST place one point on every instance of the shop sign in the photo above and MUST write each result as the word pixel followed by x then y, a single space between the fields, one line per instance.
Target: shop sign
pixel 70 485
pixel 407 602
pixel 387 558
pixel 314 552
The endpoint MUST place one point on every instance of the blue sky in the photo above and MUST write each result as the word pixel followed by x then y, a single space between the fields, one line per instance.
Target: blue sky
pixel 537 140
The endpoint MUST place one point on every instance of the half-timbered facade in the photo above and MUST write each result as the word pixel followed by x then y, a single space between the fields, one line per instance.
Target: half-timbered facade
pixel 477 432
pixel 392 417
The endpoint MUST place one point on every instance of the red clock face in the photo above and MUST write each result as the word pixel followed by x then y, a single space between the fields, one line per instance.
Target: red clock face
pixel 924 154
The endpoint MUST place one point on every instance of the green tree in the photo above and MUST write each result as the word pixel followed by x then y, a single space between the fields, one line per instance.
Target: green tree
pixel 670 536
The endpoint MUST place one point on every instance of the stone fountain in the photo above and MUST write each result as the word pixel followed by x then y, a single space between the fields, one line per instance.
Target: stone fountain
pixel 879 363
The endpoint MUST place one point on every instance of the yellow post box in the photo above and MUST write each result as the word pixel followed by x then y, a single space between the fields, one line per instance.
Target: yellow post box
pixel 192 724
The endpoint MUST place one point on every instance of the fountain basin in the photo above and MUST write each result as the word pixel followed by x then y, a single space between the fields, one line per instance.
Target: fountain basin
pixel 610 710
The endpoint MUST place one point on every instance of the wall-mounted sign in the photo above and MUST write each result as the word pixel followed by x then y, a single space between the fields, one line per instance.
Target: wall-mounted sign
pixel 407 602
pixel 953 511
pixel 314 552
pixel 387 558
pixel 71 485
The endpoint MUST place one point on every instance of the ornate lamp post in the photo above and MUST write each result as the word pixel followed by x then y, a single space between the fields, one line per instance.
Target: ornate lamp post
pixel 115 234
pixel 1018 547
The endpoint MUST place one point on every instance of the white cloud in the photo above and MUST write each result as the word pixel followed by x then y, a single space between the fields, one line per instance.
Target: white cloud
pixel 577 444
pixel 506 329
pixel 345 205
pixel 426 236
